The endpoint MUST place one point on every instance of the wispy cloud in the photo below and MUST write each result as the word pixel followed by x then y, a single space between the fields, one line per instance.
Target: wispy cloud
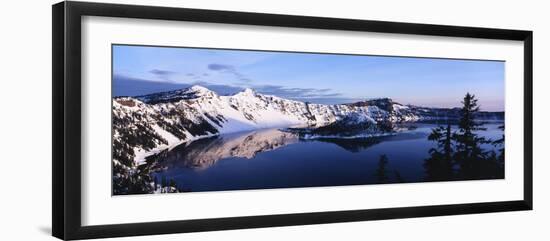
pixel 221 67
pixel 163 74
pixel 229 69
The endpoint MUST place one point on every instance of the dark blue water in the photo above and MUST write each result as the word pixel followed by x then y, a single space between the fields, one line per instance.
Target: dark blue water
pixel 275 159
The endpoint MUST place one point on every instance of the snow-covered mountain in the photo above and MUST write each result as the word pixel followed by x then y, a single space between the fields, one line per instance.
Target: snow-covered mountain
pixel 145 125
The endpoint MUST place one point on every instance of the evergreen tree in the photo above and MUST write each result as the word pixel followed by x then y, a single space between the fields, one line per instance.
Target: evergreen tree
pixel 163 181
pixel 496 160
pixel 439 166
pixel 460 155
pixel 500 142
pixel 469 154
pixel 173 183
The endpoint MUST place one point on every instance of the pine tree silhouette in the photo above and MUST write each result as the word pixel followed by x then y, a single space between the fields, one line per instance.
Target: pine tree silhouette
pixel 460 155
pixel 439 166
pixel 500 142
pixel 469 155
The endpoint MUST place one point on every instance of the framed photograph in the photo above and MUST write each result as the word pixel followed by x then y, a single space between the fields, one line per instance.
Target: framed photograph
pixel 169 120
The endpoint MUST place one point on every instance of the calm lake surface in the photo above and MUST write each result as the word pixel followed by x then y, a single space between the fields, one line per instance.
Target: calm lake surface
pixel 271 158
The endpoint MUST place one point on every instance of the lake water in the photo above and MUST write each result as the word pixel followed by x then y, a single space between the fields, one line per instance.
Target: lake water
pixel 271 158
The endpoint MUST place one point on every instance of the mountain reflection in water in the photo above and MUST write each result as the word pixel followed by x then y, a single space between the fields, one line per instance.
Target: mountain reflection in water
pixel 203 153
pixel 272 158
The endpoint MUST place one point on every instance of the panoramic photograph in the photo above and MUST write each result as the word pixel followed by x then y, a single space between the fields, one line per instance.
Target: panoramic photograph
pixel 201 119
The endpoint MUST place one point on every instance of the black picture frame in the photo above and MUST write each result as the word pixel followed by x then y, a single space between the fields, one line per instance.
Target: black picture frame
pixel 66 157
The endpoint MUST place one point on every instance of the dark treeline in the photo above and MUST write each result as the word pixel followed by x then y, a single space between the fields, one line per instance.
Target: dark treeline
pixel 459 155
pixel 139 180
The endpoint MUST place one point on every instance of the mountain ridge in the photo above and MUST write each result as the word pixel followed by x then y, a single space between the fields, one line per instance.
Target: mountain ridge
pixel 144 125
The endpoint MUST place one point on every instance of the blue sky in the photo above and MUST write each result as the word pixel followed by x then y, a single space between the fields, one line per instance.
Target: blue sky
pixel 318 78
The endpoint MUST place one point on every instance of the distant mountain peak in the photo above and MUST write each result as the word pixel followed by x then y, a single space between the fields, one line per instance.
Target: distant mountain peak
pixel 193 92
pixel 199 91
pixel 247 92
pixel 199 88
